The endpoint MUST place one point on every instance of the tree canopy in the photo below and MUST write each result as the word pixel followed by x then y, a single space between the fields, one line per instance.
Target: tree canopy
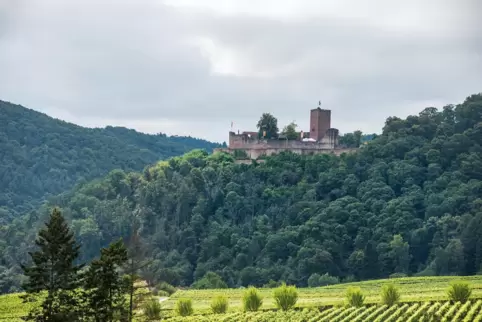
pixel 408 202
pixel 41 156
pixel 268 126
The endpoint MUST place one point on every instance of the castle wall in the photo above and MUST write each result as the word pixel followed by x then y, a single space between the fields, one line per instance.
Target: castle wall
pixel 256 153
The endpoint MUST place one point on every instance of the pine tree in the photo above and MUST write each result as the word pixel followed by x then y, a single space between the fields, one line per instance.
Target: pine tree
pixel 53 278
pixel 135 263
pixel 105 287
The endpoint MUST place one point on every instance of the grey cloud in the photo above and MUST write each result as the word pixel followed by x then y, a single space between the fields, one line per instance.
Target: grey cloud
pixel 138 60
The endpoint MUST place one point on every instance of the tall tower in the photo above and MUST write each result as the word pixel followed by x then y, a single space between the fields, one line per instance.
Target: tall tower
pixel 320 122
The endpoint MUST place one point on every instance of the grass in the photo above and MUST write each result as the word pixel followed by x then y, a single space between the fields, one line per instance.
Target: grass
pixel 411 289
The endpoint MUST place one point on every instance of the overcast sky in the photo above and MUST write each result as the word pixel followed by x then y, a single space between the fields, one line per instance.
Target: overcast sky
pixel 190 67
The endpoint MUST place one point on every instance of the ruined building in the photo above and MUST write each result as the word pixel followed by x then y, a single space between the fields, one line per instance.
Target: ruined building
pixel 321 138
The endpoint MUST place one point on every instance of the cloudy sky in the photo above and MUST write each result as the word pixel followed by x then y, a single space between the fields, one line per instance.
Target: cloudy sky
pixel 190 67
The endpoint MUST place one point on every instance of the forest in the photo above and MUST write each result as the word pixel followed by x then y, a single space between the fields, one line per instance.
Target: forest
pixel 407 203
pixel 41 156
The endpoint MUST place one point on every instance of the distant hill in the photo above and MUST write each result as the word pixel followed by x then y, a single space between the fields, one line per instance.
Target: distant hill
pixel 42 156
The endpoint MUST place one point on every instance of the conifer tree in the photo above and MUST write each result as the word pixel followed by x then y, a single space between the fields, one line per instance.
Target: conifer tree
pixel 53 277
pixel 105 287
pixel 135 263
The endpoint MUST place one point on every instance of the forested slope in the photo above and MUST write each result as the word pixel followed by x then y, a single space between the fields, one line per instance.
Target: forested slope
pixel 40 156
pixel 408 202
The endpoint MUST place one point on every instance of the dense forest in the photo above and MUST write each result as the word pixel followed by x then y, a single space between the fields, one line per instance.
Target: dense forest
pixel 42 156
pixel 408 202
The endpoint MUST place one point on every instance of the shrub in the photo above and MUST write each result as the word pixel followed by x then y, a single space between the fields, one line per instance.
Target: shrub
pixel 252 301
pixel 354 297
pixel 161 293
pixel 210 281
pixel 184 307
pixel 166 287
pixel 390 295
pixel 285 297
pixel 272 284
pixel 349 279
pixel 152 309
pixel 314 280
pixel 326 280
pixel 219 305
pixel 459 291
pixel 398 275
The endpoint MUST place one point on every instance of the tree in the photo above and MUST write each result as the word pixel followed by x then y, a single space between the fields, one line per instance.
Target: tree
pixel 400 254
pixel 55 272
pixel 290 131
pixel 268 126
pixel 135 262
pixel 210 281
pixel 105 287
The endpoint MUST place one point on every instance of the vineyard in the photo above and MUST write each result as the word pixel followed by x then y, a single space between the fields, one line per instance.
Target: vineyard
pixel 428 311
pixel 422 299
pixel 413 289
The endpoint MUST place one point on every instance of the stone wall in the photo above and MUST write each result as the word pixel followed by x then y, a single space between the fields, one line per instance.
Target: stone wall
pixel 257 152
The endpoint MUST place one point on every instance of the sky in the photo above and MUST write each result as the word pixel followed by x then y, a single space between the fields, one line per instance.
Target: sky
pixel 191 67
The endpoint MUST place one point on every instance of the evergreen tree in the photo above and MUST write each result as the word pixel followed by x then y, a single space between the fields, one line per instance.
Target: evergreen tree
pixel 105 287
pixel 54 272
pixel 135 263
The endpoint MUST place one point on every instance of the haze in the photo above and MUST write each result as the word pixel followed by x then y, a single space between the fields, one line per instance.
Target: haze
pixel 193 67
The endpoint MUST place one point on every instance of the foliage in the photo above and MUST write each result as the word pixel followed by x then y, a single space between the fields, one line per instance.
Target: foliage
pixel 105 288
pixel 219 305
pixel 316 280
pixel 42 156
pixel 289 131
pixel 53 271
pixel 268 126
pixel 252 301
pixel 285 297
pixel 272 284
pixel 210 280
pixel 407 202
pixel 390 295
pixel 354 297
pixel 166 287
pixel 416 292
pixel 152 309
pixel 459 291
pixel 184 307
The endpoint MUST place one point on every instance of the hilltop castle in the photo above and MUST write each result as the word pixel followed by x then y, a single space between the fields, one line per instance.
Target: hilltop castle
pixel 321 138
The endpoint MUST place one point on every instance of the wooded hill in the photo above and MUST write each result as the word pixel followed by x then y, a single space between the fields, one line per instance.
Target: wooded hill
pixel 42 156
pixel 409 202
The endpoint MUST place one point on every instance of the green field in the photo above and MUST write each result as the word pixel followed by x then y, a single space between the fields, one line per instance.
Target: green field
pixel 419 295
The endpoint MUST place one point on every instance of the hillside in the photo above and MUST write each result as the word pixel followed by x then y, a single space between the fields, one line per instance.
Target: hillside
pixel 408 202
pixel 42 156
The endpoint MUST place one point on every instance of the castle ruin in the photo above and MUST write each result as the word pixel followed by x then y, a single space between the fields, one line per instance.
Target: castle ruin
pixel 321 138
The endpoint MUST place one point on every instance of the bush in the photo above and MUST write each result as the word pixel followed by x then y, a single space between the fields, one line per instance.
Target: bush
pixel 349 279
pixel 272 284
pixel 314 280
pixel 152 309
pixel 398 275
pixel 326 280
pixel 459 291
pixel 252 301
pixel 219 305
pixel 210 281
pixel 166 287
pixel 390 295
pixel 285 297
pixel 354 297
pixel 161 293
pixel 184 307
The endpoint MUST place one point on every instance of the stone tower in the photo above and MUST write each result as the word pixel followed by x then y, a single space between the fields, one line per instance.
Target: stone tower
pixel 320 122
